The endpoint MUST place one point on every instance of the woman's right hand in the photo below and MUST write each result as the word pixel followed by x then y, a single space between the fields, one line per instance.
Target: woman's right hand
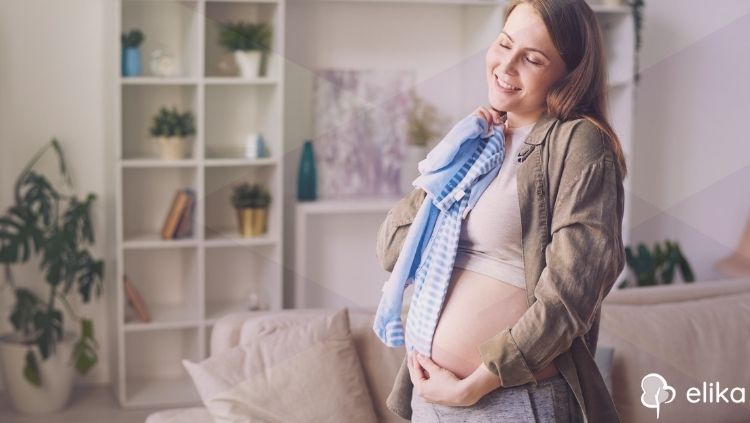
pixel 489 114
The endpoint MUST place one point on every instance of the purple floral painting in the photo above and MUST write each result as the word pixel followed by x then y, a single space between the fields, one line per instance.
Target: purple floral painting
pixel 360 131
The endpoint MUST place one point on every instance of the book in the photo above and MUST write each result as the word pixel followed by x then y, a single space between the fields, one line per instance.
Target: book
pixel 185 226
pixel 173 217
pixel 136 301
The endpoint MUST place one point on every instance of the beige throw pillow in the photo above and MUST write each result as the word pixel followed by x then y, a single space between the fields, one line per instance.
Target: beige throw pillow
pixel 308 372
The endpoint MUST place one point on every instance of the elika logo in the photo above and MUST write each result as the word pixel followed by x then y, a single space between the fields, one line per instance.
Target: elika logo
pixel 656 391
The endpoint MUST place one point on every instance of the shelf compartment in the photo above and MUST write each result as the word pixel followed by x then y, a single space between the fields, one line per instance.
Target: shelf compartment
pixel 220 214
pixel 171 25
pixel 232 274
pixel 147 198
pixel 235 111
pixel 140 103
pixel 220 12
pixel 153 366
pixel 167 280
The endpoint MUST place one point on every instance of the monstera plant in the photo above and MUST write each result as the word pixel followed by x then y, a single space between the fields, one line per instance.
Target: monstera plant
pixel 53 228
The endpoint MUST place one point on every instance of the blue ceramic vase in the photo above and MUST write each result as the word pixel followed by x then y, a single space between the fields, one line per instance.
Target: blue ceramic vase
pixel 306 178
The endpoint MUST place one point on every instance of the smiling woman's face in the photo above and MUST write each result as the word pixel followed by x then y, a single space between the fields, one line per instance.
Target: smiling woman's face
pixel 524 57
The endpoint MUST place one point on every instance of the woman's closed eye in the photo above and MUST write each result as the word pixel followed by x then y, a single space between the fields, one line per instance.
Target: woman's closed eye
pixel 527 58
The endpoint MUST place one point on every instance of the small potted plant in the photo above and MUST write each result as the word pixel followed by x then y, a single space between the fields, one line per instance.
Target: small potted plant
pixel 54 230
pixel 422 121
pixel 131 53
pixel 251 202
pixel 249 42
pixel 657 267
pixel 174 131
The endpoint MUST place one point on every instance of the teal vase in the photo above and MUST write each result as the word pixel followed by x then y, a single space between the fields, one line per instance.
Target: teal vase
pixel 306 179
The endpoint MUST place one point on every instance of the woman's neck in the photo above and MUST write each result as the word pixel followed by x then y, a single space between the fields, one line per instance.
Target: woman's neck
pixel 515 120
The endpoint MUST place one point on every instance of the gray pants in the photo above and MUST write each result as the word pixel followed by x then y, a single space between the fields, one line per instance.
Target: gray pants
pixel 551 401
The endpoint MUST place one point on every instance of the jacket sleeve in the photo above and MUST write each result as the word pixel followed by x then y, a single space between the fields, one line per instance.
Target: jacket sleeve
pixel 583 259
pixel 393 230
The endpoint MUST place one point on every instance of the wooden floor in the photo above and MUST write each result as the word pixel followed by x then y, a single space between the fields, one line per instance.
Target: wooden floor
pixel 88 405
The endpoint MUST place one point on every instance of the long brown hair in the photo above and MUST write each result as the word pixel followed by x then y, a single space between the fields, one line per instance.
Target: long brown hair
pixel 582 92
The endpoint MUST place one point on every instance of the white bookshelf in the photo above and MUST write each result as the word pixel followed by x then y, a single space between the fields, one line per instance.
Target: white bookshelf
pixel 444 42
pixel 188 284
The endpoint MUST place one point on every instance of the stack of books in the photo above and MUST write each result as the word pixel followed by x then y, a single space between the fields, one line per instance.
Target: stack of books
pixel 179 221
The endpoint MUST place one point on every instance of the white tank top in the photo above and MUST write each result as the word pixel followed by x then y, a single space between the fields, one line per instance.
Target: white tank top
pixel 490 240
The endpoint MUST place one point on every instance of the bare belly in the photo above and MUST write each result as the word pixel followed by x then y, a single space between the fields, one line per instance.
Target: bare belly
pixel 476 308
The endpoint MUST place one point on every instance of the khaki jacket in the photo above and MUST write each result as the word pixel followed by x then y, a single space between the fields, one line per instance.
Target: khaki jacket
pixel 571 199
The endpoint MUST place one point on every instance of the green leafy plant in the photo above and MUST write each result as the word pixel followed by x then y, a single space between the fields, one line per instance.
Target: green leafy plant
pixel 245 36
pixel 636 7
pixel 246 195
pixel 56 226
pixel 134 38
pixel 171 123
pixel 657 267
pixel 421 120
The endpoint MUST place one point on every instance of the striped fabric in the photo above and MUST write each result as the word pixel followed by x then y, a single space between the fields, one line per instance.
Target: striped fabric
pixel 460 167
pixel 434 271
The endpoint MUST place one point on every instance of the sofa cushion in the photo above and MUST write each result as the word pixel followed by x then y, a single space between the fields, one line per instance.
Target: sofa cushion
pixel 688 342
pixel 379 362
pixel 306 372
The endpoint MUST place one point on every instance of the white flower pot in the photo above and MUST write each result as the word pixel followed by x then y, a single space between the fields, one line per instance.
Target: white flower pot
pixel 249 62
pixel 409 172
pixel 175 148
pixel 57 376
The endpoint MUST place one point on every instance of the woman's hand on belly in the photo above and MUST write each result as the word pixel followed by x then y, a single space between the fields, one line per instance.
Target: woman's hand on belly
pixel 439 385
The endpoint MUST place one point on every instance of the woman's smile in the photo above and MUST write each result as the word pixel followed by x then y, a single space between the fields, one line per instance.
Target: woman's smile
pixel 505 87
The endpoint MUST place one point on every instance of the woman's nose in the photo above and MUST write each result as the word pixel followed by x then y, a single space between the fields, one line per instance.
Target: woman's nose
pixel 507 65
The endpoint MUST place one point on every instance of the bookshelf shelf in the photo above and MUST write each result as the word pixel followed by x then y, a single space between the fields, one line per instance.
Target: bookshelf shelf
pixel 157 163
pixel 190 282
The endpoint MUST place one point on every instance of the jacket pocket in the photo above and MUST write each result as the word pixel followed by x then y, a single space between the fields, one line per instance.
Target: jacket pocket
pixel 392 232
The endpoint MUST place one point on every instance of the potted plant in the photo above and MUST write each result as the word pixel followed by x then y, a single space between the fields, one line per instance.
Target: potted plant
pixel 251 203
pixel 174 131
pixel 39 358
pixel 131 53
pixel 422 120
pixel 249 42
pixel 657 267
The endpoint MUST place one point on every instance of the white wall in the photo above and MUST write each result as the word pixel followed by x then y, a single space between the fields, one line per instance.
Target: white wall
pixel 52 85
pixel 690 173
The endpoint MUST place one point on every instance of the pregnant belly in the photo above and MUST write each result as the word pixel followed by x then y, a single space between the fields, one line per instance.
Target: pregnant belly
pixel 476 308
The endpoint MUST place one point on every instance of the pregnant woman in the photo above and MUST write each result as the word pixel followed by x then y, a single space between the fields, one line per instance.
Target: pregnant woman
pixel 542 246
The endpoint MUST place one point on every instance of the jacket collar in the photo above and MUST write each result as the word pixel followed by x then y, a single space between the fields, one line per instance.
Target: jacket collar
pixel 541 128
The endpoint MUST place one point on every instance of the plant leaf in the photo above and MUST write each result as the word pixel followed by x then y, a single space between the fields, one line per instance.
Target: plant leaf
pixel 31 369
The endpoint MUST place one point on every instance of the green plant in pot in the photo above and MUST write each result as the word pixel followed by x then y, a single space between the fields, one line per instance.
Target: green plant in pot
pixel 174 132
pixel 53 228
pixel 250 44
pixel 251 202
pixel 658 266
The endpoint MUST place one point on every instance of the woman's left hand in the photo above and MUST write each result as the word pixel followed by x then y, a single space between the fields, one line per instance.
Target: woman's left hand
pixel 436 384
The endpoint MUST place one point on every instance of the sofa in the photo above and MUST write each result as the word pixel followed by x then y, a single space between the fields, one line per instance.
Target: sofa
pixel 687 333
